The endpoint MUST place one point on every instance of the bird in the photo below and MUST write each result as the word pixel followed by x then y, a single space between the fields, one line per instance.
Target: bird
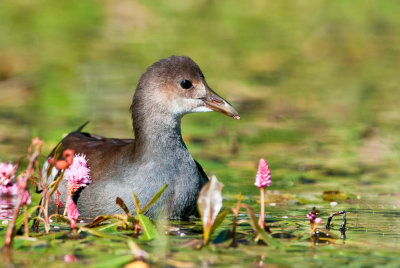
pixel 169 89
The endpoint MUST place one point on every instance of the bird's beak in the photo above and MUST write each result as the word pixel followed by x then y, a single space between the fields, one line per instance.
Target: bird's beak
pixel 218 104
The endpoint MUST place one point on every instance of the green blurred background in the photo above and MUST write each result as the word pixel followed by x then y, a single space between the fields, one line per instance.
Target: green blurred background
pixel 315 82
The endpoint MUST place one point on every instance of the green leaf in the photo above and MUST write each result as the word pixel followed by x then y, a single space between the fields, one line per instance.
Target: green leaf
pixel 219 219
pixel 101 218
pixel 20 220
pixel 112 225
pixel 115 261
pixel 54 185
pixel 60 218
pixel 101 234
pixel 263 234
pixel 149 231
pixel 122 204
pixel 154 199
pixel 137 204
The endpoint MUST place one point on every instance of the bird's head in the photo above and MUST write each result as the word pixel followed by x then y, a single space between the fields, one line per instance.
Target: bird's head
pixel 177 86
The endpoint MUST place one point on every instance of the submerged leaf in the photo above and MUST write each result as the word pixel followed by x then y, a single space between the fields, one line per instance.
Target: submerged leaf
pixel 209 204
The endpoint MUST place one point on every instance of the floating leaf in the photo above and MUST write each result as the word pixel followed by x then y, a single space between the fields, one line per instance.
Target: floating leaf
pixel 334 195
pixel 149 231
pixel 209 204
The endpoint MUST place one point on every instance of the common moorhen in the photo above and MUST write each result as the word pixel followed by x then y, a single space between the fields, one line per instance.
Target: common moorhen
pixel 168 90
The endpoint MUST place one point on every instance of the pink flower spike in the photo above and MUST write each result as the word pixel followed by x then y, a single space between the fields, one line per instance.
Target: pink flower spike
pixel 263 177
pixel 7 186
pixel 26 197
pixel 318 220
pixel 72 211
pixel 311 216
pixel 70 258
pixel 58 202
pixel 77 174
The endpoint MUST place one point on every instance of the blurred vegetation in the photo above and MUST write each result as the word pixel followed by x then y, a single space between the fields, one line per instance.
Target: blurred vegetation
pixel 315 82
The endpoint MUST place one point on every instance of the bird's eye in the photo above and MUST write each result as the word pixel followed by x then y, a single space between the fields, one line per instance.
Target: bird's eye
pixel 186 84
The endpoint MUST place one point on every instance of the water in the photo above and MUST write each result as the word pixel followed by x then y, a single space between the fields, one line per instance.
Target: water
pixel 6 208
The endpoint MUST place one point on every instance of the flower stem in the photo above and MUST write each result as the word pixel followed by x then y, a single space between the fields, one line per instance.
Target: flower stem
pixel 261 221
pixel 26 220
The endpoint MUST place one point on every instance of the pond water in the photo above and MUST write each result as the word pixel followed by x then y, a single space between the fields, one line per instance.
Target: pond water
pixel 317 95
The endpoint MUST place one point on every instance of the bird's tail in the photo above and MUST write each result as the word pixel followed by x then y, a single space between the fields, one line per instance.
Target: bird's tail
pixel 79 130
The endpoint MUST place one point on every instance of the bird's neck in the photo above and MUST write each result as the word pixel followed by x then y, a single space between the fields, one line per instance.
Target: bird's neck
pixel 158 134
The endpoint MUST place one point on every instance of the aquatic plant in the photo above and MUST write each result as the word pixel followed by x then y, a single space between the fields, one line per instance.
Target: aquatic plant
pixel 344 222
pixel 34 150
pixel 263 180
pixel 7 186
pixel 209 204
pixel 77 174
pixel 128 226
pixel 314 220
pixel 59 204
pixel 72 213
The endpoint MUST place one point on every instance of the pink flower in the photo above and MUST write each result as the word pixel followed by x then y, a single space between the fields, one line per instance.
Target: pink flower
pixel 26 197
pixel 70 258
pixel 77 174
pixel 58 202
pixel 72 211
pixel 7 186
pixel 318 220
pixel 263 177
pixel 312 216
